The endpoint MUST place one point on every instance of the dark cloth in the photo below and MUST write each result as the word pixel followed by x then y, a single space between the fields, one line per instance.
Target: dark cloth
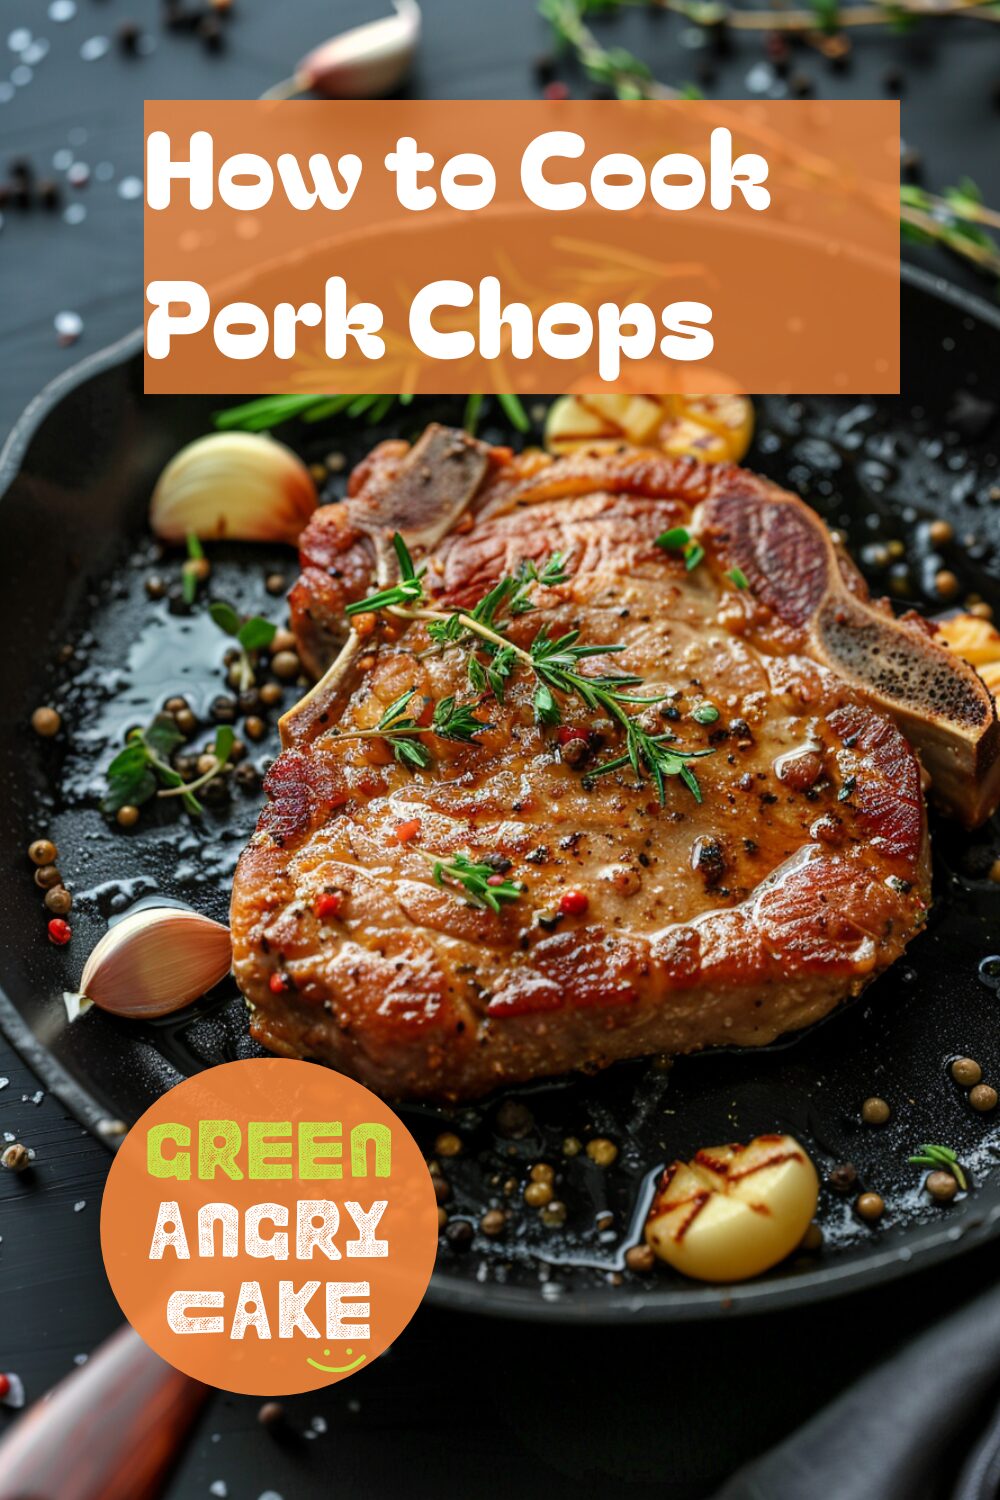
pixel 924 1425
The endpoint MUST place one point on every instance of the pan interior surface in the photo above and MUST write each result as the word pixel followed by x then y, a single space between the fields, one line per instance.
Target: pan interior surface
pixel 83 635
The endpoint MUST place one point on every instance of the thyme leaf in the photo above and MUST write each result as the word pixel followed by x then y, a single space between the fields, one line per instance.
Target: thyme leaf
pixel 481 883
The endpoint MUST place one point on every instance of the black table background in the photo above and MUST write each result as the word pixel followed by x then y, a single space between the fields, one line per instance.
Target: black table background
pixel 459 1406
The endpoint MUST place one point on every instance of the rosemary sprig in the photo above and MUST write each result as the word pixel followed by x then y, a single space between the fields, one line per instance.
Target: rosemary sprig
pixel 250 636
pixel 554 663
pixel 679 539
pixel 267 412
pixel 943 1158
pixel 450 721
pixel 482 885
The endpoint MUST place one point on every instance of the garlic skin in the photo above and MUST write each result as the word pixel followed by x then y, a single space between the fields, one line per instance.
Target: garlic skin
pixel 241 486
pixel 153 962
pixel 366 62
pixel 734 1211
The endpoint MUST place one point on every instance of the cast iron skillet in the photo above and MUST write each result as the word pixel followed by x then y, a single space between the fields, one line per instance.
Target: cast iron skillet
pixel 75 478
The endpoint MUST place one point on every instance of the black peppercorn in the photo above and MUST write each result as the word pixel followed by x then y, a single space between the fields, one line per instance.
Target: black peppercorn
pixel 843 1177
pixel 128 37
pixel 223 709
pixel 459 1233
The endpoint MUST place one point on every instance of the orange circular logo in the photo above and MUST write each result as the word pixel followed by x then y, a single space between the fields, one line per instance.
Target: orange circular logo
pixel 269 1227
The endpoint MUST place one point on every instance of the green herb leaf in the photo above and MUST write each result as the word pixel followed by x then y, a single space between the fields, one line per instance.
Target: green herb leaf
pixel 256 633
pixel 738 577
pixel 674 540
pixel 475 880
pixel 943 1158
pixel 705 713
pixel 225 617
pixel 225 739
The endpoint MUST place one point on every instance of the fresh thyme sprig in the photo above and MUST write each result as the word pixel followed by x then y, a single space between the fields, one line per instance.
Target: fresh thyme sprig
pixel 482 885
pixel 250 636
pixel 142 770
pixel 679 539
pixel 267 412
pixel 554 663
pixel 943 1158
pixel 450 721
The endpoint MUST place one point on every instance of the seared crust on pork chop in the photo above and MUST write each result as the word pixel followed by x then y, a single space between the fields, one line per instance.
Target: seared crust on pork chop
pixel 798 877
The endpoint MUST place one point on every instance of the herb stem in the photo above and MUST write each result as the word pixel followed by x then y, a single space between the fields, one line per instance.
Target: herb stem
pixel 468 623
pixel 189 787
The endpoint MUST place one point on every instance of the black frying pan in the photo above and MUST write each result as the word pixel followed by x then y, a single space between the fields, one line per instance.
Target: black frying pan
pixel 75 478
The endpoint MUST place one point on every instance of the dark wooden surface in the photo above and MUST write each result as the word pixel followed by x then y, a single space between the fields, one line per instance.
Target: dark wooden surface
pixel 458 1407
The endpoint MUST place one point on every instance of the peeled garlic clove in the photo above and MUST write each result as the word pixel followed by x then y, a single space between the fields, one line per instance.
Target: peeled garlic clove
pixel 156 961
pixel 366 62
pixel 238 485
pixel 734 1211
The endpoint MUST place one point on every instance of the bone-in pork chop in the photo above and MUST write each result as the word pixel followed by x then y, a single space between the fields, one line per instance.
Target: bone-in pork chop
pixel 786 872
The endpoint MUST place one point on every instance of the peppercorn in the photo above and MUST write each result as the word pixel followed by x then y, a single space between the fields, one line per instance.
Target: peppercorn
pixel 254 727
pixel 58 900
pixel 553 1215
pixel 941 1186
pixel 204 764
pixel 275 583
pixel 271 694
pixel 175 704
pixel 538 1194
pixel 966 1071
pixel 237 751
pixel 48 194
pixel 198 568
pixel 459 1234
pixel 286 665
pixel 127 816
pixel 640 1258
pixel 571 1146
pixel 514 1120
pixel 812 1240
pixel 46 722
pixel 155 586
pixel 442 1187
pixel 493 1221
pixel 442 1218
pixel 940 532
pixel 16 1158
pixel 328 904
pixel 870 1207
pixel 271 1414
pixel 223 709
pixel 46 876
pixel 575 752
pixel 283 640
pixel 249 701
pixel 128 37
pixel 43 852
pixel 186 721
pixel 875 1111
pixel 542 1172
pixel 246 774
pixel 279 984
pixel 983 1098
pixel 447 1144
pixel 573 903
pixel 602 1151
pixel 946 584
pixel 843 1177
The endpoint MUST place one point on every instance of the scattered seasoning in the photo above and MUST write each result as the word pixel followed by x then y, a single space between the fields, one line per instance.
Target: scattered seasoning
pixel 705 713
pixel 738 577
pixel 812 1240
pixel 286 666
pixel 404 832
pixel 275 583
pixel 493 1221
pixel 328 904
pixel 47 876
pixel 554 1214
pixel 279 984
pixel 542 1172
pixel 271 694
pixel 946 584
pixel 983 1098
pixel 574 903
pixel 58 900
pixel 870 1207
pixel 966 1071
pixel 602 1151
pixel 16 1158
pixel 459 1234
pixel 46 722
pixel 679 539
pixel 479 881
pixel 875 1111
pixel 571 1146
pixel 271 1414
pixel 43 852
pixel 640 1259
pixel 843 1177
pixel 941 1186
pixel 127 816
pixel 59 932
pixel 448 1144
pixel 514 1120
pixel 538 1194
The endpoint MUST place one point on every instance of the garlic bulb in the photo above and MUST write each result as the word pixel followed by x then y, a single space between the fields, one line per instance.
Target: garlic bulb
pixel 367 62
pixel 734 1211
pixel 153 962
pixel 238 485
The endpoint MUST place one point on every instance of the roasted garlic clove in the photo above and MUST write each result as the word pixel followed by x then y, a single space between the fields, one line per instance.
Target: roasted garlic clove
pixel 976 641
pixel 236 485
pixel 367 62
pixel 733 1211
pixel 713 429
pixel 153 962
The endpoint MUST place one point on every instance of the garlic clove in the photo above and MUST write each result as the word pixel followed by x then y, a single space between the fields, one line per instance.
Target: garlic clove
pixel 734 1211
pixel 367 62
pixel 236 485
pixel 154 962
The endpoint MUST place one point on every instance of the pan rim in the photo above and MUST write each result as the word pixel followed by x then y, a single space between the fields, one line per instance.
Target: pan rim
pixel 920 1248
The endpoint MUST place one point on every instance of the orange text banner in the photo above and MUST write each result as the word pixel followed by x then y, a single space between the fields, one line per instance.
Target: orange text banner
pixel 443 247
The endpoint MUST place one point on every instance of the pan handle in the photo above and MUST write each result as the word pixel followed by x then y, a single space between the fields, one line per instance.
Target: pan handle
pixel 110 1431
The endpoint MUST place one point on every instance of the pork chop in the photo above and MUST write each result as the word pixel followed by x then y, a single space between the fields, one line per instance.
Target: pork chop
pixel 787 871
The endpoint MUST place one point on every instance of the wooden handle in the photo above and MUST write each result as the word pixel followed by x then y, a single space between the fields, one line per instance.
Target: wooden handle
pixel 110 1431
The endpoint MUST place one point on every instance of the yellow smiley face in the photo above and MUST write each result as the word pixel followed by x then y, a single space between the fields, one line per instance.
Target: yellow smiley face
pixel 337 1369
